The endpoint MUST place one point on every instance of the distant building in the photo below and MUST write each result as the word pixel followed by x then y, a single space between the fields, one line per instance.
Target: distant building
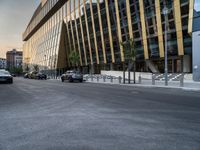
pixel 14 58
pixel 2 63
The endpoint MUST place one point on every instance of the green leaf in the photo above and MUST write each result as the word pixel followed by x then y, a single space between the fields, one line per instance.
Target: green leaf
pixel 74 58
pixel 129 50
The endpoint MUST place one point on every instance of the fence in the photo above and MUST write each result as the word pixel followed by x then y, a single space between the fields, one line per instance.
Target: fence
pixel 140 80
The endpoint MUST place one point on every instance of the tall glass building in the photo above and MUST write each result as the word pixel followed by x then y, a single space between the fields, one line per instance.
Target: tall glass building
pixel 95 29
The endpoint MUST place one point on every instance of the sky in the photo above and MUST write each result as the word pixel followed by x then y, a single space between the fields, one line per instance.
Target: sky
pixel 14 17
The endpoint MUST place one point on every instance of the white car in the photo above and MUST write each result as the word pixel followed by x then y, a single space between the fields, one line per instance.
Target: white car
pixel 71 76
pixel 5 77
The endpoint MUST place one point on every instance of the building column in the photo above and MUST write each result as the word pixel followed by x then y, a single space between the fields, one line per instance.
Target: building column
pixel 119 30
pixel 178 24
pixel 77 35
pixel 101 32
pixel 94 32
pixel 190 20
pixel 159 28
pixel 82 34
pixel 109 31
pixel 195 55
pixel 87 30
pixel 144 34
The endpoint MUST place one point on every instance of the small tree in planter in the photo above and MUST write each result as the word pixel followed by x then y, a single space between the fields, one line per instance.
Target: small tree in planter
pixel 27 68
pixel 36 68
pixel 74 58
pixel 130 54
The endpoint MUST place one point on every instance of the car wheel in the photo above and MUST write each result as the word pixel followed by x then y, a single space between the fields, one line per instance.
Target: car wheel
pixel 71 80
pixel 81 80
pixel 62 80
pixel 10 82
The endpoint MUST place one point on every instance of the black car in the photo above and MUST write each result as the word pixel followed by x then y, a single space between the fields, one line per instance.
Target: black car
pixel 41 76
pixel 5 77
pixel 72 76
pixel 14 75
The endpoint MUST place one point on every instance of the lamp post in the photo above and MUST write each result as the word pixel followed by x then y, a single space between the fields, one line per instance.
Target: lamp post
pixel 165 12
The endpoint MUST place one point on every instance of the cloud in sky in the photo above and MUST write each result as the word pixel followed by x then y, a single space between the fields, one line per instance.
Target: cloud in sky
pixel 14 17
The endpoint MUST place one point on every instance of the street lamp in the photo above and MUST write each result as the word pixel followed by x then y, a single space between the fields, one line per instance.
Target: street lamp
pixel 165 12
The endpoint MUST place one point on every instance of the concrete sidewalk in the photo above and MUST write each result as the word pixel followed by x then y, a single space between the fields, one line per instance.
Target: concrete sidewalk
pixel 188 85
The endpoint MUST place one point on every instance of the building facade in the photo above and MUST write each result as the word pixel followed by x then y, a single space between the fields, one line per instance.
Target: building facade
pixel 2 63
pixel 196 41
pixel 96 29
pixel 14 59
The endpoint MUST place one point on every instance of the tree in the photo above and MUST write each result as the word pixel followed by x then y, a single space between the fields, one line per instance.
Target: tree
pixel 36 68
pixel 27 68
pixel 74 58
pixel 16 70
pixel 130 55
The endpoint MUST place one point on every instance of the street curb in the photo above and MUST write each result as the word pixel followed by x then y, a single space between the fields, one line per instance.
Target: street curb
pixel 146 86
pixel 150 86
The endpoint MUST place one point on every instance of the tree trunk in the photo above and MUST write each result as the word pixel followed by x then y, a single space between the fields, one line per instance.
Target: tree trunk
pixel 123 72
pixel 134 70
pixel 129 74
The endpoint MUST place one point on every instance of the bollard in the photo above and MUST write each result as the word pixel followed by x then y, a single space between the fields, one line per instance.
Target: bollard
pixel 140 79
pixel 153 79
pixel 104 79
pixel 92 78
pixel 182 81
pixel 97 79
pixel 120 79
pixel 111 79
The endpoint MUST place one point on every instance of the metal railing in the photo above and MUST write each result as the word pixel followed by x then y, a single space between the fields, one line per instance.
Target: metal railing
pixel 171 77
pixel 119 80
pixel 103 78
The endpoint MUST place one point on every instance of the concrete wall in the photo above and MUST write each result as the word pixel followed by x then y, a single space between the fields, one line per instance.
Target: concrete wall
pixel 196 55
pixel 144 75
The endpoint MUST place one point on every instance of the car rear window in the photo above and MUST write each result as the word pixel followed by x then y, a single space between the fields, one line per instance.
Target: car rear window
pixel 4 72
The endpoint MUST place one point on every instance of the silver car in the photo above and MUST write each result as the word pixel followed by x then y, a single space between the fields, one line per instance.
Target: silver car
pixel 72 76
pixel 5 77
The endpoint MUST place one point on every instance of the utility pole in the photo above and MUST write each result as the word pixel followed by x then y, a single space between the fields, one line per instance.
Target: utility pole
pixel 165 13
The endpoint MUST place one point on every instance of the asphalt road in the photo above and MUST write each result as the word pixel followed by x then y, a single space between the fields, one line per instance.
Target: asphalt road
pixel 50 115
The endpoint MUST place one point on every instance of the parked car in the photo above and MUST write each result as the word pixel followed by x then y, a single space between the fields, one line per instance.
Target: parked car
pixel 14 75
pixel 71 76
pixel 5 77
pixel 32 75
pixel 41 76
pixel 26 75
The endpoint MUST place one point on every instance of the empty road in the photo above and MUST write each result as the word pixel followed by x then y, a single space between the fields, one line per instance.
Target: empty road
pixel 50 115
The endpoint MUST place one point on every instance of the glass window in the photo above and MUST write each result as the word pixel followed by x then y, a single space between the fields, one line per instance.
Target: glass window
pixel 197 5
pixel 72 5
pixel 81 1
pixel 76 3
